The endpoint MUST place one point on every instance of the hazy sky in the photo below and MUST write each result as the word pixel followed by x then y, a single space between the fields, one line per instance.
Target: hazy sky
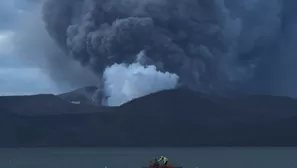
pixel 16 76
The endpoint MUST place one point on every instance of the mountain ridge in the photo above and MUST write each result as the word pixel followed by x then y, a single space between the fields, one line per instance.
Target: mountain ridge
pixel 177 117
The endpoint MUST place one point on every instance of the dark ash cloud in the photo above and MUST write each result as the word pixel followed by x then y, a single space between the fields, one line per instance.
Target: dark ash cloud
pixel 228 47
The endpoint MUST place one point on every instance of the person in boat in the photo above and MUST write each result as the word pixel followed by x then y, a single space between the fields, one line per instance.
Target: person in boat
pixel 164 160
pixel 156 163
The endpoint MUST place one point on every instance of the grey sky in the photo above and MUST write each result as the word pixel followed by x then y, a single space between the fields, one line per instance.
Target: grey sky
pixel 17 76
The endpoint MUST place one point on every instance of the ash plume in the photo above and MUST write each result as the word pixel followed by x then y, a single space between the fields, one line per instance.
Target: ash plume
pixel 218 46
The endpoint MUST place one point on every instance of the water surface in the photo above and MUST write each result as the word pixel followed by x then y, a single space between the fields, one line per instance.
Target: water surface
pixel 136 157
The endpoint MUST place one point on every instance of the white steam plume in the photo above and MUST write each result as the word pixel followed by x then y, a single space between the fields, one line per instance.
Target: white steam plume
pixel 123 82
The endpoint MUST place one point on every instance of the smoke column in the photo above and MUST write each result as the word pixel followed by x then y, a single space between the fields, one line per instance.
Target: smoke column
pixel 219 46
pixel 125 82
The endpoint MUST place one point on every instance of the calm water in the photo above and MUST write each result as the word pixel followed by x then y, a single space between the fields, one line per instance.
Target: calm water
pixel 137 157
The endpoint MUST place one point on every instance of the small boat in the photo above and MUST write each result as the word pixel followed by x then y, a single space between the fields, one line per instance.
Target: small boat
pixel 167 166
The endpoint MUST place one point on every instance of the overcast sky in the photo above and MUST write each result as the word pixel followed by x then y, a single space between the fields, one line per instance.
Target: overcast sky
pixel 16 75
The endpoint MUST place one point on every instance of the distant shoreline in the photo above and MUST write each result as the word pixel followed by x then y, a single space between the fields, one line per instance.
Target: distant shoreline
pixel 169 118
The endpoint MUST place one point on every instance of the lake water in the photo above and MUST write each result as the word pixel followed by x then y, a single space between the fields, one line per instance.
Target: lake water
pixel 137 157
